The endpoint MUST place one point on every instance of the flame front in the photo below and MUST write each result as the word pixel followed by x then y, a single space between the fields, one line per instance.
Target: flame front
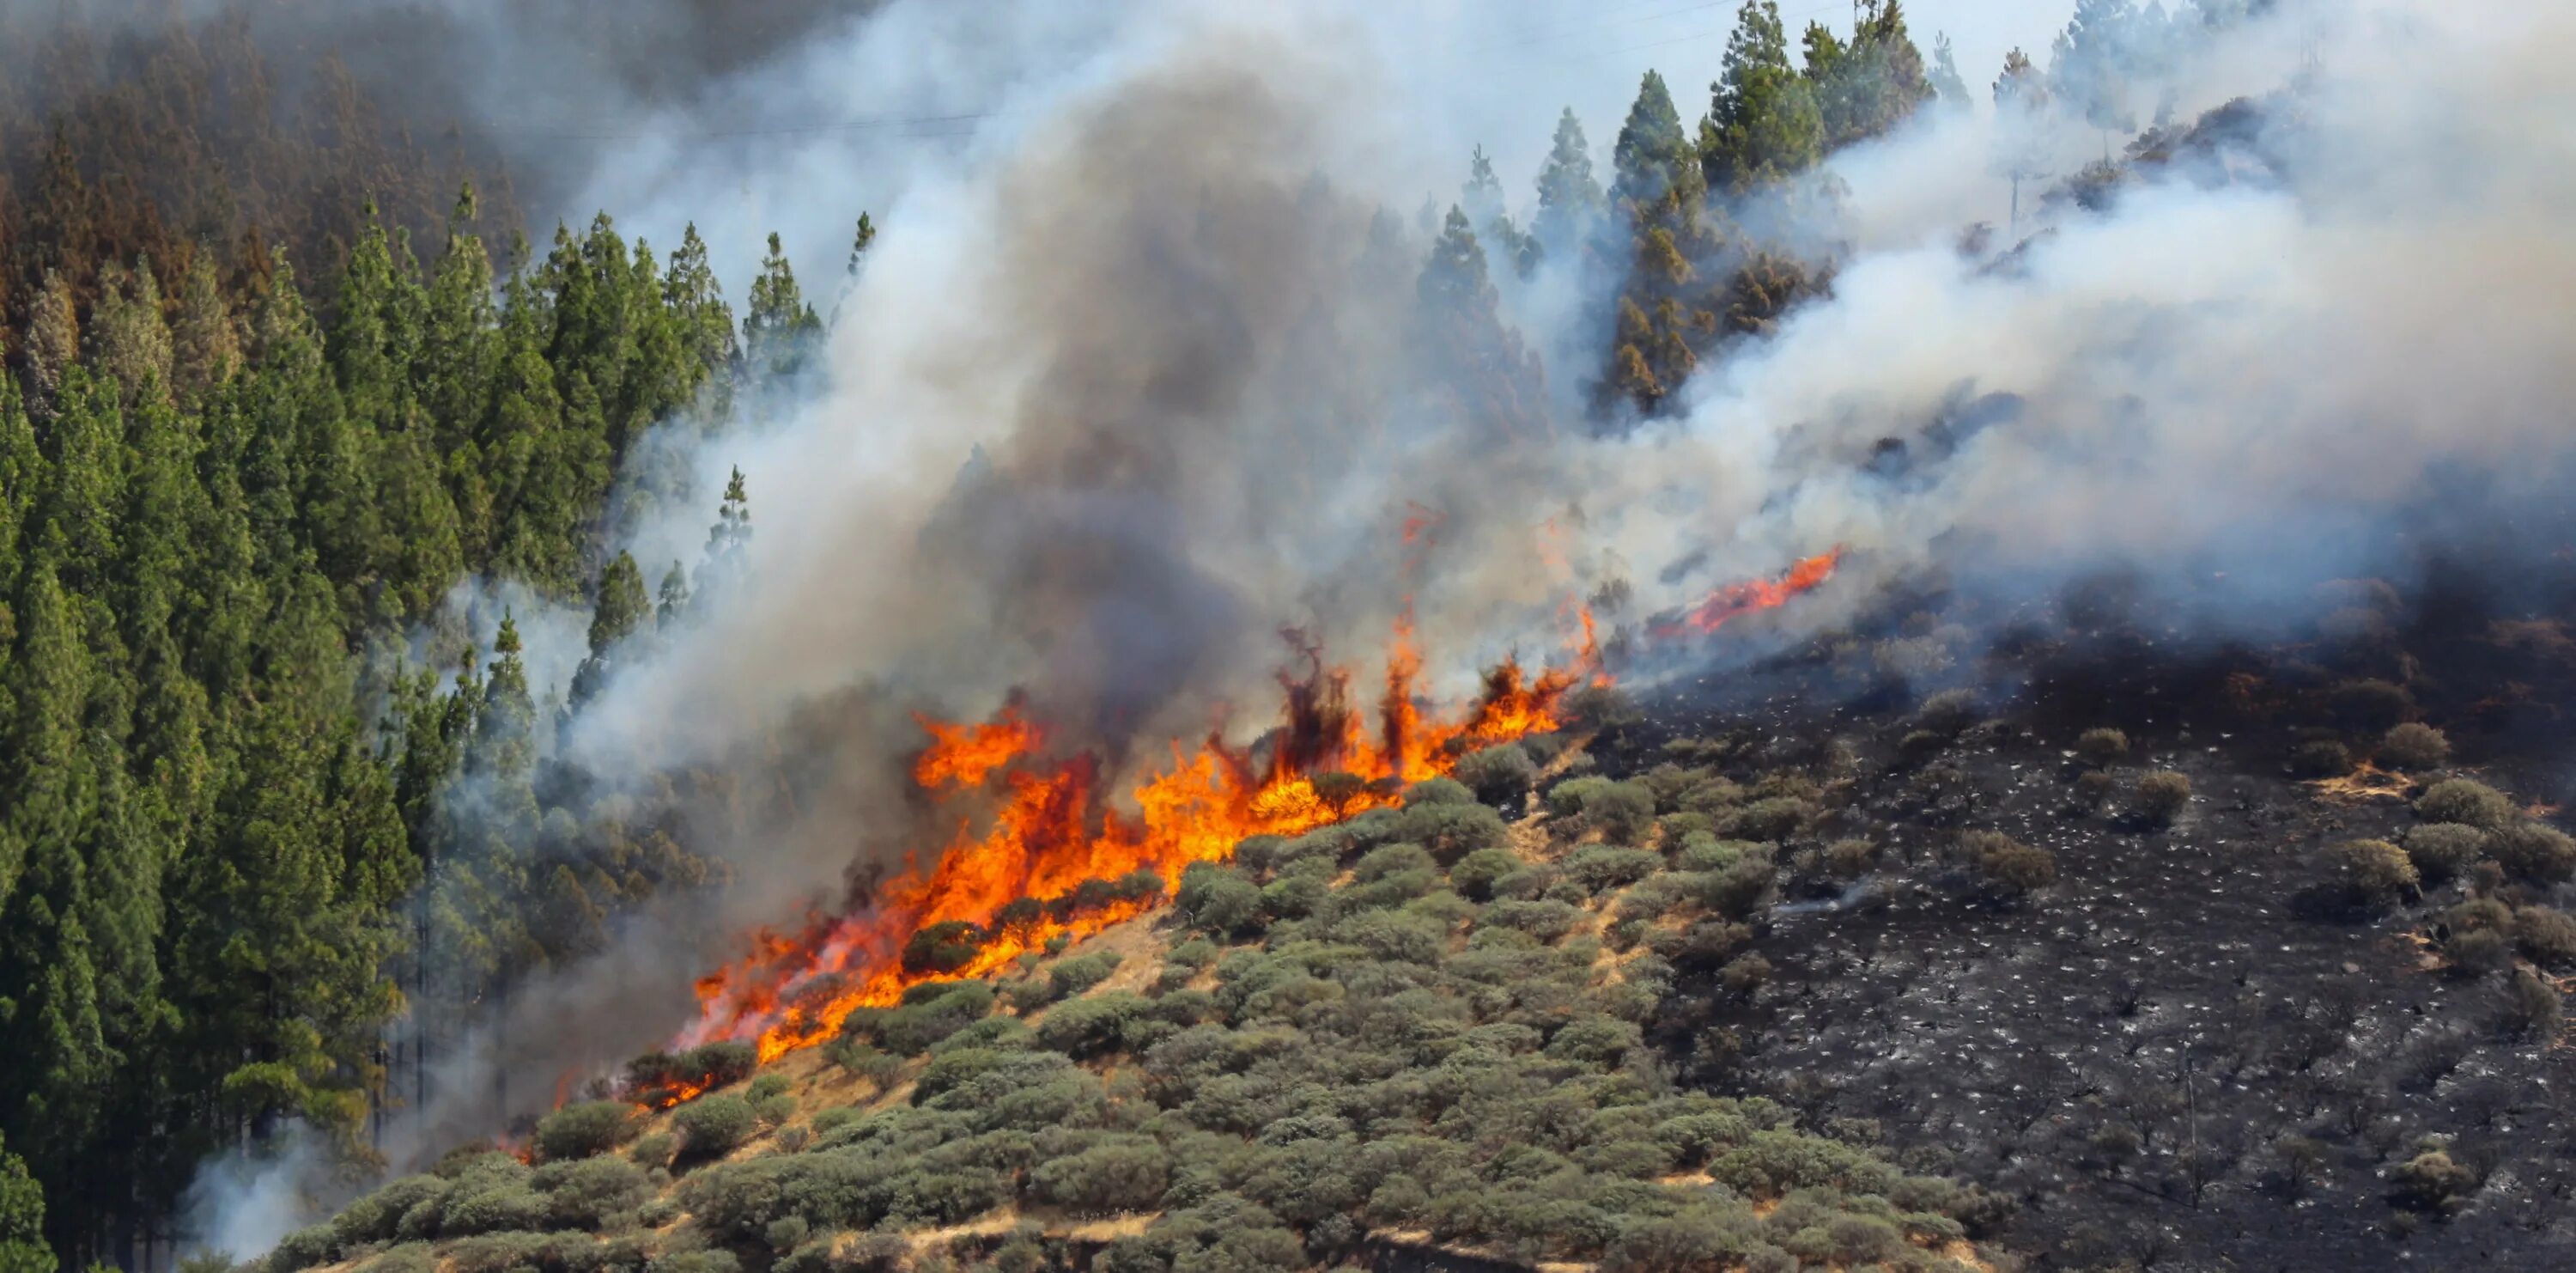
pixel 1059 861
pixel 1758 594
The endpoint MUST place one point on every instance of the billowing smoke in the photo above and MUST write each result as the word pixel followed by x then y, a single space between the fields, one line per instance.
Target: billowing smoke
pixel 1140 373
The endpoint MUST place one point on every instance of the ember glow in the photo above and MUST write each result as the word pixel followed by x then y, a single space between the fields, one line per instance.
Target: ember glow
pixel 1057 858
pixel 1759 594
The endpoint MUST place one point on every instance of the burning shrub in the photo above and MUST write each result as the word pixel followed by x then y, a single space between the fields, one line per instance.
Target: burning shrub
pixel 1501 772
pixel 2546 937
pixel 584 1194
pixel 943 948
pixel 2371 704
pixel 712 1126
pixel 2103 748
pixel 1599 867
pixel 1451 831
pixel 590 1127
pixel 2415 746
pixel 2006 869
pixel 2464 801
pixel 1475 875
pixel 2162 796
pixel 1218 900
pixel 2373 875
pixel 1118 1173
pixel 2442 851
pixel 2533 851
pixel 2321 758
pixel 1438 791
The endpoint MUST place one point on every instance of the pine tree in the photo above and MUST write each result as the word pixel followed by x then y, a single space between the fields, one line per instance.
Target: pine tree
pixel 129 342
pixel 52 344
pixel 780 329
pixel 205 343
pixel 860 242
pixel 1764 123
pixel 22 1218
pixel 697 304
pixel 727 542
pixel 2091 64
pixel 622 608
pixel 1568 198
pixel 1463 338
pixel 1944 76
pixel 671 602
pixel 458 333
pixel 1658 177
pixel 1868 87
pixel 2021 101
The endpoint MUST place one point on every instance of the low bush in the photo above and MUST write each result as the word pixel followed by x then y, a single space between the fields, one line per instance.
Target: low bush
pixel 2546 937
pixel 2321 758
pixel 1451 831
pixel 2162 796
pixel 712 1126
pixel 1545 920
pixel 1218 900
pixel 377 1217
pixel 1767 820
pixel 2415 746
pixel 1475 875
pixel 2374 874
pixel 2005 869
pixel 1850 859
pixel 1745 974
pixel 2102 747
pixel 1438 791
pixel 2443 851
pixel 1949 713
pixel 654 1150
pixel 301 1249
pixel 2534 851
pixel 2467 802
pixel 2433 1181
pixel 1600 867
pixel 1498 773
pixel 2371 704
pixel 1122 1173
pixel 584 1129
pixel 584 1194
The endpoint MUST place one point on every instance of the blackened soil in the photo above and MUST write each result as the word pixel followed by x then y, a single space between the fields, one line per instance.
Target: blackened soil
pixel 2162 1058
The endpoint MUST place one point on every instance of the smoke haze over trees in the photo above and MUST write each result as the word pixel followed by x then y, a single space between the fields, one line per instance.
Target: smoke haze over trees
pixel 429 630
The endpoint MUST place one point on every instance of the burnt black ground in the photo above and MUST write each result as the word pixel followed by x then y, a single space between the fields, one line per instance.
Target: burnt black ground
pixel 2165 983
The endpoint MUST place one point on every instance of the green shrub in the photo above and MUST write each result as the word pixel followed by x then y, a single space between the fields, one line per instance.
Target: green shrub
pixel 1595 1040
pixel 2415 746
pixel 584 1129
pixel 1392 859
pixel 582 1194
pixel 1545 920
pixel 869 1062
pixel 2092 787
pixel 2464 801
pixel 712 1126
pixel 1475 875
pixel 1068 977
pixel 2162 795
pixel 1218 900
pixel 1768 820
pixel 498 1208
pixel 654 1150
pixel 1745 973
pixel 1439 791
pixel 1090 1027
pixel 1705 852
pixel 2433 1181
pixel 1196 952
pixel 2443 851
pixel 377 1217
pixel 938 1010
pixel 2532 1005
pixel 1737 890
pixel 2374 874
pixel 1599 867
pixel 1498 773
pixel 2102 747
pixel 1296 896
pixel 1451 831
pixel 2534 851
pixel 1566 799
pixel 1122 1173
pixel 717 1260
pixel 301 1249
pixel 775 1111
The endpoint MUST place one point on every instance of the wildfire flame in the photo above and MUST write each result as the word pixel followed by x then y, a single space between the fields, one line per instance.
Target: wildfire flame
pixel 1757 594
pixel 1057 859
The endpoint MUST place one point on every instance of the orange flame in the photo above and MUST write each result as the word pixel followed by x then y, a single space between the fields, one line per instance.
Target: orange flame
pixel 1758 594
pixel 1056 861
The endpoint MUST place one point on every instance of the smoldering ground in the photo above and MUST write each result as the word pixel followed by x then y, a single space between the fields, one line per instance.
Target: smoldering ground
pixel 1138 379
